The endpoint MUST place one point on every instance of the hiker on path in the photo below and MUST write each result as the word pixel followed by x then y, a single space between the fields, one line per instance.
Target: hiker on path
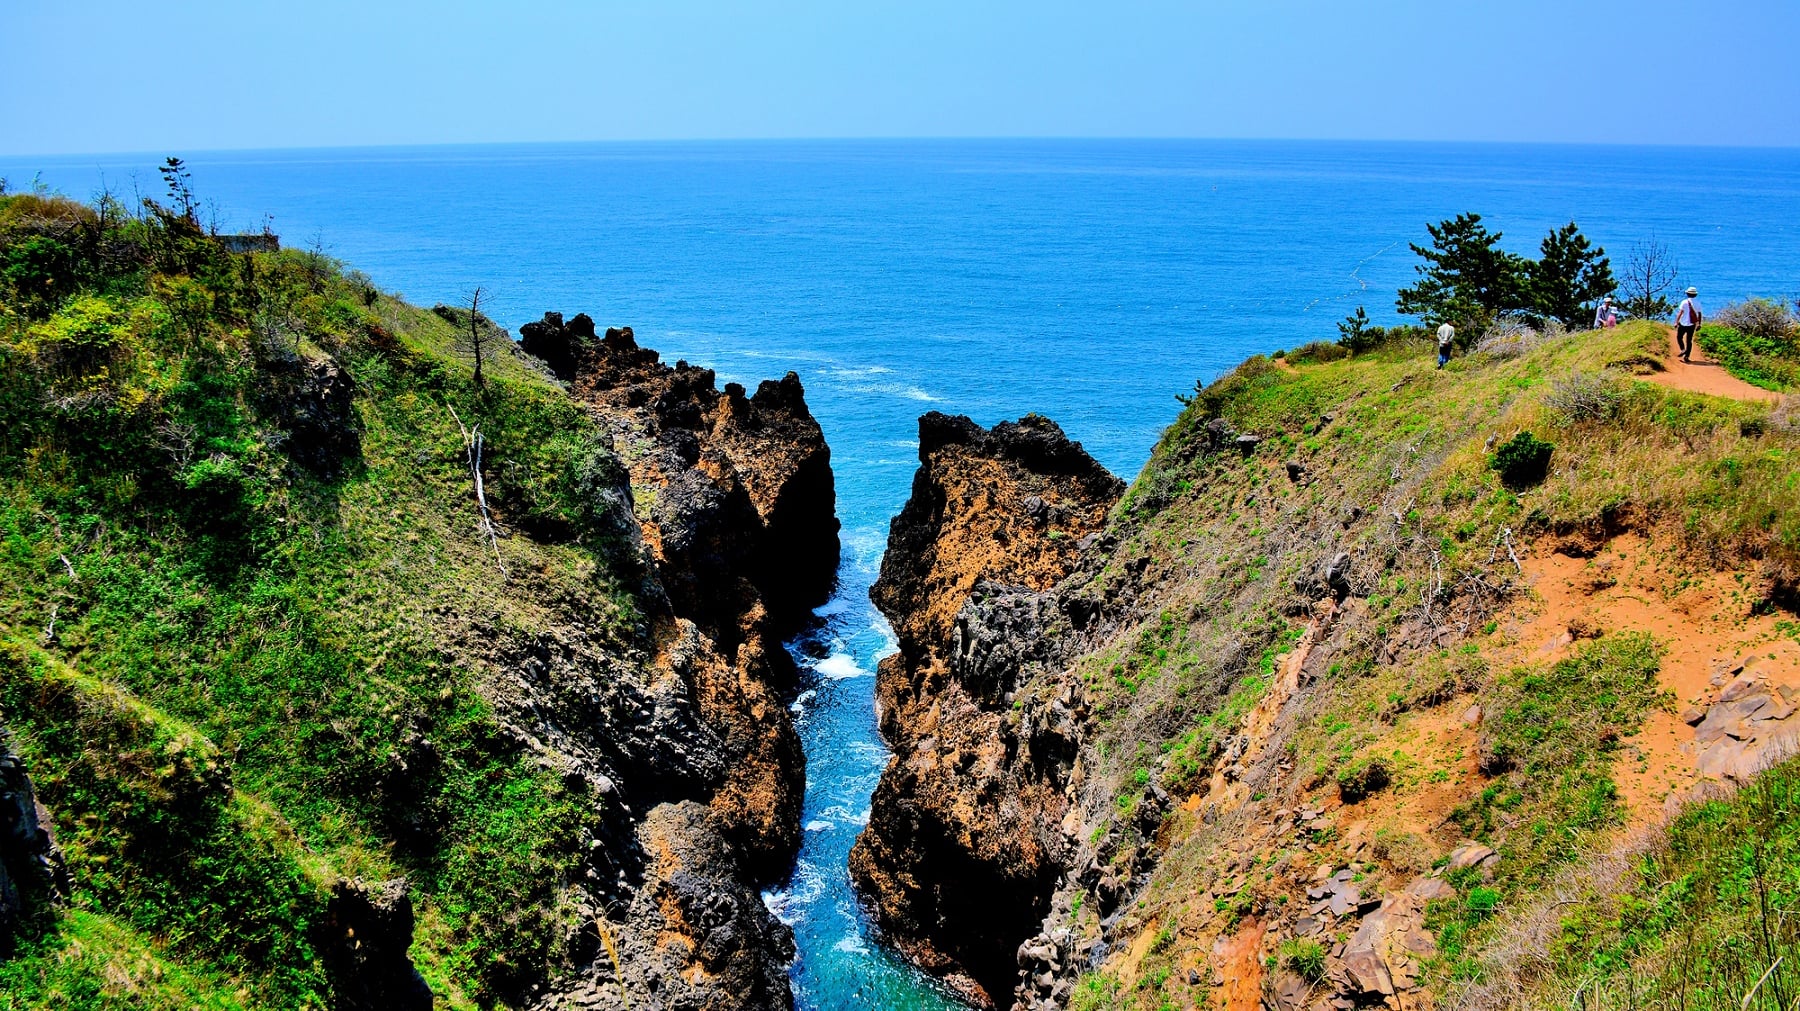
pixel 1687 320
pixel 1446 334
pixel 1604 316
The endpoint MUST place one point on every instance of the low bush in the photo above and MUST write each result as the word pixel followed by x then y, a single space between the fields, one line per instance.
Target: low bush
pixel 1522 461
pixel 1318 351
pixel 1771 362
pixel 1512 337
pixel 1585 396
pixel 1758 317
pixel 1304 958
pixel 1362 778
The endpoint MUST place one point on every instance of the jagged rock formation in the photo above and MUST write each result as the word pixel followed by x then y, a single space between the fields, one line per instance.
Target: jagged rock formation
pixel 711 943
pixel 735 521
pixel 963 843
pixel 720 461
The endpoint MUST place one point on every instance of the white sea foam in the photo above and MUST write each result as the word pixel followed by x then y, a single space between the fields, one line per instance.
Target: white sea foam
pixel 819 826
pixel 907 390
pixel 836 605
pixel 852 944
pixel 804 888
pixel 840 667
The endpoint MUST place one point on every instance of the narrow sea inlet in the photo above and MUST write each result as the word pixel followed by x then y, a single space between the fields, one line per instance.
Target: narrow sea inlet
pixel 840 964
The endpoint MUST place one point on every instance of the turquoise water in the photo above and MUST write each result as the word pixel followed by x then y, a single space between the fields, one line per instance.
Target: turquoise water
pixel 1090 281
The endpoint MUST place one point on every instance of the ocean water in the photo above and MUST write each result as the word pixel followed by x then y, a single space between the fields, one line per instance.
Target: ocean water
pixel 1090 281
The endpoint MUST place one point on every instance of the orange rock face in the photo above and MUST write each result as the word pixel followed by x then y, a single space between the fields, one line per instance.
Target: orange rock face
pixel 742 531
pixel 964 844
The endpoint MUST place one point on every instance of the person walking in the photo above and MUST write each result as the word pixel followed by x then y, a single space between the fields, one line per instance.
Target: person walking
pixel 1687 320
pixel 1604 316
pixel 1446 334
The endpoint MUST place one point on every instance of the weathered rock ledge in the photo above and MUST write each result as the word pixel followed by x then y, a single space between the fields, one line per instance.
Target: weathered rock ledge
pixel 964 844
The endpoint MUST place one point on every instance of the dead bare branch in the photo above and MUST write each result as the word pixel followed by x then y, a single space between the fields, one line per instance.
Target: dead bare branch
pixel 472 447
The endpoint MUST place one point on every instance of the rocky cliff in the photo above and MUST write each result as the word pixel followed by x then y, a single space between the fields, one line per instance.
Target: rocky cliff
pixel 1323 712
pixel 736 518
pixel 964 839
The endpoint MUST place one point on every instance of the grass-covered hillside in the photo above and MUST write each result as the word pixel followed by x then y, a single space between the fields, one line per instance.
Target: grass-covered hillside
pixel 252 635
pixel 1412 680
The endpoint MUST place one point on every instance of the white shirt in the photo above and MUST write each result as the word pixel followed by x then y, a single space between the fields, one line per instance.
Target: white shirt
pixel 1690 307
pixel 1601 313
pixel 1446 333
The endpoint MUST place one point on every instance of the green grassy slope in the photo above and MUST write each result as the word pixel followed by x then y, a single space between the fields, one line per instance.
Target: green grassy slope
pixel 1402 467
pixel 224 642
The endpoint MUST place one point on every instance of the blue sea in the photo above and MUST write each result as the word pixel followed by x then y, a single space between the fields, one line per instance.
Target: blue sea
pixel 1091 281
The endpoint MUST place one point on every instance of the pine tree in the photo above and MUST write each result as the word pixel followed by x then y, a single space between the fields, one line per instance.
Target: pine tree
pixel 1570 276
pixel 181 190
pixel 1354 331
pixel 1467 279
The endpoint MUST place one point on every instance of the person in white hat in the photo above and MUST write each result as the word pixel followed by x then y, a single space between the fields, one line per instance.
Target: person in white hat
pixel 1604 316
pixel 1687 320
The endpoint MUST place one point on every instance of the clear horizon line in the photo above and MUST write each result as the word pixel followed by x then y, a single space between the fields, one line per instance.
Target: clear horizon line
pixel 897 138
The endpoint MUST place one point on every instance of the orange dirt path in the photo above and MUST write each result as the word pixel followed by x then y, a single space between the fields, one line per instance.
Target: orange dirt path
pixel 1703 375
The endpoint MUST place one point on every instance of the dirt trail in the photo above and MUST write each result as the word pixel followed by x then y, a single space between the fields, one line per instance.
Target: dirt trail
pixel 1703 375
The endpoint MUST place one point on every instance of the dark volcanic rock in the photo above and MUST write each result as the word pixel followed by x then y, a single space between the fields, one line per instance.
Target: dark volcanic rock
pixel 768 445
pixel 964 847
pixel 694 936
pixel 367 930
pixel 557 345
pixel 689 749
pixel 31 866
pixel 312 399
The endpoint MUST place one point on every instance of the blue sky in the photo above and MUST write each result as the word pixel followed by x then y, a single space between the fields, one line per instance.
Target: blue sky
pixel 79 76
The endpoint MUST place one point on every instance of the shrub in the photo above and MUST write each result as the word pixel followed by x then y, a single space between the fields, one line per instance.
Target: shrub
pixel 1406 851
pixel 1522 461
pixel 1771 362
pixel 1507 337
pixel 1592 396
pixel 1157 490
pixel 1318 351
pixel 1358 337
pixel 1482 901
pixel 1758 317
pixel 1094 992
